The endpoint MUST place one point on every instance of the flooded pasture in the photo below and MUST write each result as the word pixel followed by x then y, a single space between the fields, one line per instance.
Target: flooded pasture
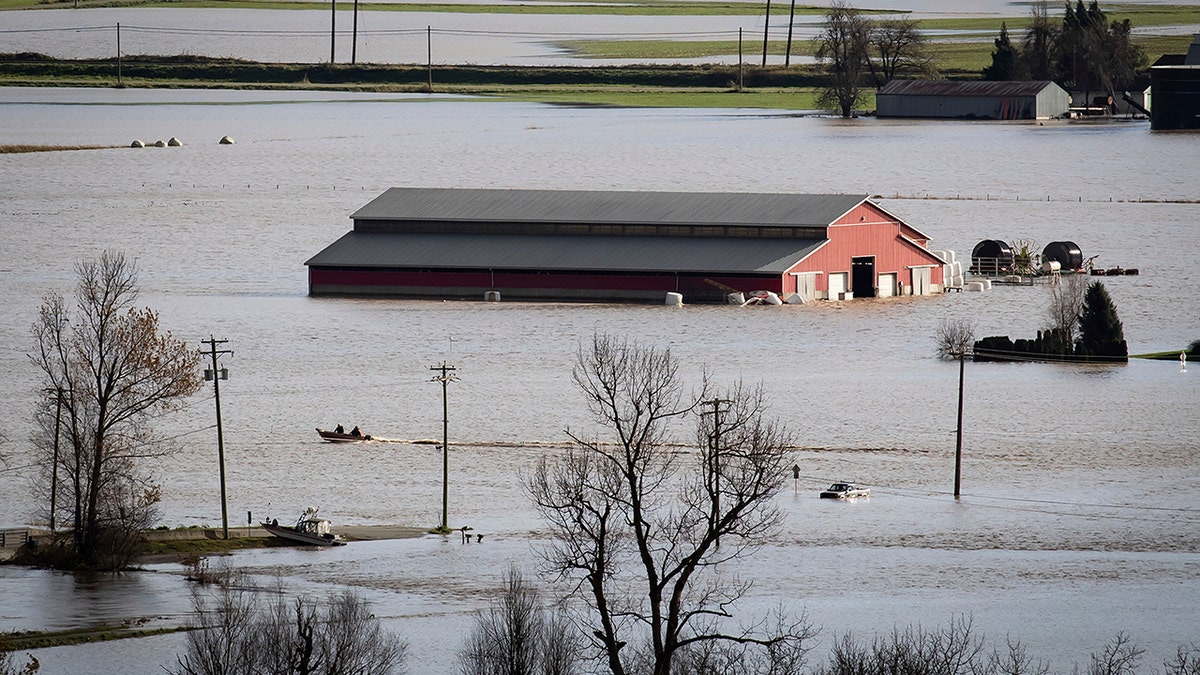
pixel 1078 518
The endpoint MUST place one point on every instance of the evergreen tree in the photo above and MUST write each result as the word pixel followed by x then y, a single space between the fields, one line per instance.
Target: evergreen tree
pixel 1004 59
pixel 1101 335
pixel 1094 55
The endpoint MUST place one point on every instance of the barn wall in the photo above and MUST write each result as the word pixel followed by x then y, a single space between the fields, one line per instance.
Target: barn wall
pixel 867 231
pixel 533 285
pixel 1176 97
pixel 968 107
pixel 1052 102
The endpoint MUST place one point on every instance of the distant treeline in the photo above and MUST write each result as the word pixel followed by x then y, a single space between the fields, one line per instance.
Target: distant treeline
pixel 200 69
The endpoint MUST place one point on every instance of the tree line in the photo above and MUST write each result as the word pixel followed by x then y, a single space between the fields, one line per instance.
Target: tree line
pixel 1085 51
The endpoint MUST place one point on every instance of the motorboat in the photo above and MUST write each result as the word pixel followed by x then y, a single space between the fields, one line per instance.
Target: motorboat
pixel 308 529
pixel 845 491
pixel 339 436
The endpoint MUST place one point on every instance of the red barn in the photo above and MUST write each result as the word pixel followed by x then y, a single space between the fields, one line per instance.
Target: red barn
pixel 624 246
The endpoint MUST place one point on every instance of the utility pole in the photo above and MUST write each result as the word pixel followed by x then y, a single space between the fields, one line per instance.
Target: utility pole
pixel 118 52
pixel 445 378
pixel 714 458
pixel 741 59
pixel 216 375
pixel 429 56
pixel 332 29
pixel 354 37
pixel 962 358
pixel 54 469
pixel 766 28
pixel 787 55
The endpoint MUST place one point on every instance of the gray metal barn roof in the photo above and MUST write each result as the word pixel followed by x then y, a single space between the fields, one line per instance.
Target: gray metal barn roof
pixel 971 88
pixel 564 252
pixel 588 206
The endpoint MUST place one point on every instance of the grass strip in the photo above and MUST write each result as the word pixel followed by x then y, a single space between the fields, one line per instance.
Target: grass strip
pixel 15 149
pixel 23 640
pixel 204 545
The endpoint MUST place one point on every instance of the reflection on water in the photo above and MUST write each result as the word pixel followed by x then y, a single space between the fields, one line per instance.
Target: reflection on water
pixel 1079 482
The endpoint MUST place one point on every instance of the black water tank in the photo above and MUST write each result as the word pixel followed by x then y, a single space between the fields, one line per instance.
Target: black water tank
pixel 991 256
pixel 1065 252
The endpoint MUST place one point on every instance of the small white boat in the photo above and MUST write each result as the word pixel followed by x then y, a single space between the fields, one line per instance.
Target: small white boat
pixel 845 491
pixel 309 529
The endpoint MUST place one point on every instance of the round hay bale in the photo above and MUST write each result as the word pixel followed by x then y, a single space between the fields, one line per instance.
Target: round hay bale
pixel 137 144
pixel 160 143
pixel 174 142
pixel 225 140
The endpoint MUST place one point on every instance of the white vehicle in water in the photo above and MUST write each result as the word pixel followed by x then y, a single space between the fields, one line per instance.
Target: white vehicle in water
pixel 845 491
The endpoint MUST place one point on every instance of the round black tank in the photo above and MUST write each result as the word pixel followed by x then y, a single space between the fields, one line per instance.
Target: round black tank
pixel 991 256
pixel 1066 253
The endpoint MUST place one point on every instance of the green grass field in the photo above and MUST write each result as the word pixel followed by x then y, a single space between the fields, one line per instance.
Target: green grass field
pixel 961 49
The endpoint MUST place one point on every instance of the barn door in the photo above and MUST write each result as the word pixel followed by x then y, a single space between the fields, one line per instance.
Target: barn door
pixel 887 285
pixel 921 280
pixel 837 285
pixel 863 281
pixel 806 286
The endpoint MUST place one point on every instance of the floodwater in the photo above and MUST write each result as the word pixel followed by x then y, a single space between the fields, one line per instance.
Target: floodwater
pixel 1080 484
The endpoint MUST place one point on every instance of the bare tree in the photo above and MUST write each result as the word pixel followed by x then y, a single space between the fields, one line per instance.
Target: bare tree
pixel 1015 661
pixel 1066 305
pixel 107 369
pixel 234 633
pixel 518 635
pixel 1119 657
pixel 898 47
pixel 953 649
pixel 1038 44
pixel 224 640
pixel 955 338
pixel 1185 662
pixel 641 526
pixel 844 47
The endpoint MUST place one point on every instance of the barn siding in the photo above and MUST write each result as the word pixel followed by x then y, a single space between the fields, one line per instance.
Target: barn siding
pixel 533 285
pixel 868 231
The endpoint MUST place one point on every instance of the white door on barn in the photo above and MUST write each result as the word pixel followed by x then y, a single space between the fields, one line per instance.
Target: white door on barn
pixel 922 277
pixel 887 285
pixel 837 285
pixel 806 286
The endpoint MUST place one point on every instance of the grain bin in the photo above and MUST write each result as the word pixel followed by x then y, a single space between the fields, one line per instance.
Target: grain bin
pixel 1065 253
pixel 991 256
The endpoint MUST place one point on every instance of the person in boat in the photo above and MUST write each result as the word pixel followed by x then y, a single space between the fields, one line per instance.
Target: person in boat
pixel 355 432
pixel 339 430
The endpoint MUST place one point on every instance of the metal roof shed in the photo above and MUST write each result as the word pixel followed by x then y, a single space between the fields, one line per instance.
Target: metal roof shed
pixel 982 100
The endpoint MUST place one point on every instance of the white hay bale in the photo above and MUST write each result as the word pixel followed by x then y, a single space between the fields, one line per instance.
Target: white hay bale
pixel 674 299
pixel 137 144
pixel 174 142
pixel 226 140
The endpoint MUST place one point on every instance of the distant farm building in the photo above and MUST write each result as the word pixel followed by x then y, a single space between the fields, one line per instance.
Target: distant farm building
pixel 1175 88
pixel 972 100
pixel 624 246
